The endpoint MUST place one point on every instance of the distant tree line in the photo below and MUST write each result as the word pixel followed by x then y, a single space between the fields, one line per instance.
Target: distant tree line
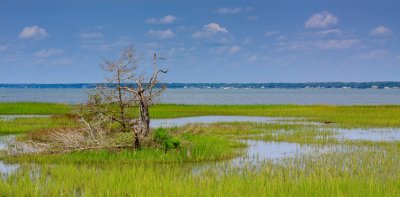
pixel 355 85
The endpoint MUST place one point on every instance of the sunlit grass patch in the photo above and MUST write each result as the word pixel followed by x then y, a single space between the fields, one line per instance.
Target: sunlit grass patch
pixel 22 125
pixel 25 108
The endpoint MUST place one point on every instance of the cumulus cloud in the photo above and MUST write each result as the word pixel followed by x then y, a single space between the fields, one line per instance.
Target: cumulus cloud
pixel 234 49
pixel 374 54
pixel 330 31
pixel 33 32
pixel 247 41
pixel 164 20
pixel 252 58
pixel 271 33
pixel 336 44
pixel 252 18
pixel 225 49
pixel 381 31
pixel 91 35
pixel 321 20
pixel 48 53
pixel 323 44
pixel 103 45
pixel 219 50
pixel 210 30
pixel 237 10
pixel 161 34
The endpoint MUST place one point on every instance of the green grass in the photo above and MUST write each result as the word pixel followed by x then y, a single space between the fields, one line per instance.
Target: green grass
pixel 28 108
pixel 363 173
pixel 201 148
pixel 195 168
pixel 22 125
pixel 345 116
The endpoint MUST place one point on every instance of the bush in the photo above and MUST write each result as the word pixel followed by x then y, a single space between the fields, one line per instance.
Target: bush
pixel 164 138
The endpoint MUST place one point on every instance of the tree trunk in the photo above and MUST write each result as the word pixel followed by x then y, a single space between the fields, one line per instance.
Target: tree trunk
pixel 136 143
pixel 144 118
pixel 121 103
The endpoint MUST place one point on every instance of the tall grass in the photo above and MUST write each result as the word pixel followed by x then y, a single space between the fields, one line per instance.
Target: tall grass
pixel 371 169
pixel 22 125
pixel 28 108
pixel 363 173
pixel 344 116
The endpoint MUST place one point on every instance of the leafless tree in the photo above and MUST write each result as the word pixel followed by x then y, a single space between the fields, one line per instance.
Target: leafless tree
pixel 128 90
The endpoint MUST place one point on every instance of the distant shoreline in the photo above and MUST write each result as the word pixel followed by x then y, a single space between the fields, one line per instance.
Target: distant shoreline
pixel 344 85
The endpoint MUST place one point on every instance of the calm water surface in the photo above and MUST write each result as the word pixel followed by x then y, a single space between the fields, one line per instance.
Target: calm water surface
pixel 222 96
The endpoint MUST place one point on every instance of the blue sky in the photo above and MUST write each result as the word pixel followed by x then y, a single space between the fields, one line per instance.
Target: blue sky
pixel 203 41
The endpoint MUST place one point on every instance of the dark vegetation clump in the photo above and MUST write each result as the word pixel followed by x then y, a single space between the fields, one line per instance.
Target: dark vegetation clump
pixel 163 137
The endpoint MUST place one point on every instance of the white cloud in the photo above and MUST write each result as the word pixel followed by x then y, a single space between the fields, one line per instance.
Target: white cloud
pixel 48 53
pixel 162 34
pixel 335 44
pixel 164 20
pixel 330 31
pixel 381 31
pixel 252 18
pixel 225 49
pixel 374 54
pixel 210 30
pixel 219 50
pixel 91 35
pixel 33 32
pixel 234 49
pixel 323 44
pixel 252 58
pixel 102 45
pixel 271 33
pixel 247 41
pixel 238 10
pixel 321 20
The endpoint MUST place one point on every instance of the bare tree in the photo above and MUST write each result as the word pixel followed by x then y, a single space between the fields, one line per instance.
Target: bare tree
pixel 144 93
pixel 128 90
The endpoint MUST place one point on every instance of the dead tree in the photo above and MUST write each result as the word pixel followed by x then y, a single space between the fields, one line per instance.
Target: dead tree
pixel 144 92
pixel 129 90
pixel 110 99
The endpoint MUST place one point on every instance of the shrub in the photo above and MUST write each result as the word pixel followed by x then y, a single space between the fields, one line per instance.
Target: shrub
pixel 163 137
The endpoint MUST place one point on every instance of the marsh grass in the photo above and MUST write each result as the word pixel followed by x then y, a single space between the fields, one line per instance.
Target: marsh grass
pixel 32 108
pixel 360 173
pixel 22 125
pixel 369 169
pixel 362 116
pixel 344 116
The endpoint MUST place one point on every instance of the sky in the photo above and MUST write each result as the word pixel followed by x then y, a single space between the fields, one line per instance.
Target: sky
pixel 232 41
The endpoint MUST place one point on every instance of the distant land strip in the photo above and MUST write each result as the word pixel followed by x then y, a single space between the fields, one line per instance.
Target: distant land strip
pixel 353 85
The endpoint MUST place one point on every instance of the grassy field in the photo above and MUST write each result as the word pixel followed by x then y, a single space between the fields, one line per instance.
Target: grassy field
pixel 383 116
pixel 33 108
pixel 199 168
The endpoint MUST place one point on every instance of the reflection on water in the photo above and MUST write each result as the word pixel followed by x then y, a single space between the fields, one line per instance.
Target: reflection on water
pixel 373 134
pixel 5 140
pixel 6 169
pixel 13 117
pixel 259 151
pixel 176 122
